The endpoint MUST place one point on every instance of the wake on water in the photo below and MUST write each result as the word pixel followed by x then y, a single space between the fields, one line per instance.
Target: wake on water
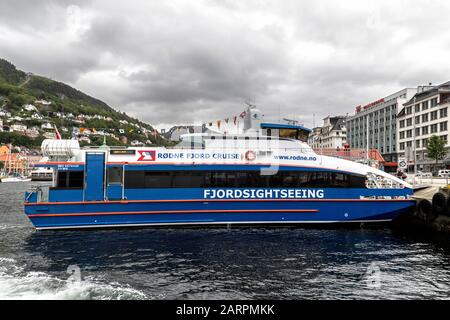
pixel 17 284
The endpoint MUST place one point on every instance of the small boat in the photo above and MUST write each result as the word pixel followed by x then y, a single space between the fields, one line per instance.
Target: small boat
pixel 42 174
pixel 15 179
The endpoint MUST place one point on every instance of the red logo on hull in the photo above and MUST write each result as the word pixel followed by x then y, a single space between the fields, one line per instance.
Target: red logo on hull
pixel 147 155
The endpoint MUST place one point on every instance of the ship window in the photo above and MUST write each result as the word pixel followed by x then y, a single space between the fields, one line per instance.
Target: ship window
pixel 242 179
pixel 76 179
pixel 115 175
pixel 187 179
pixel 62 179
pixel 70 179
pixel 135 179
pixel 157 180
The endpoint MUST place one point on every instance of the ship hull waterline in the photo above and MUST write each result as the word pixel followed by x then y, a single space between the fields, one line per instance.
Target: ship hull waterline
pixel 122 214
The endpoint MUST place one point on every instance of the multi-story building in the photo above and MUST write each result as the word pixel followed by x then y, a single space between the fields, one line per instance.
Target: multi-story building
pixel 426 114
pixel 332 135
pixel 374 125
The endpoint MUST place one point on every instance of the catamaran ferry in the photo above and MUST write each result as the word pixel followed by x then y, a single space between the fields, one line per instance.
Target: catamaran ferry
pixel 210 179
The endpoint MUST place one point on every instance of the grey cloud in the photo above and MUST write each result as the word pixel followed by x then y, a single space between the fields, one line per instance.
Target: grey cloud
pixel 177 62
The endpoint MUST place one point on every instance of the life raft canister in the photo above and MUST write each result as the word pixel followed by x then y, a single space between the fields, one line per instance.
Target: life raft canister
pixel 250 155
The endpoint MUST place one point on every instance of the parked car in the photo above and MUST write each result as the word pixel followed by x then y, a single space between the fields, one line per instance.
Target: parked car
pixel 444 173
pixel 424 174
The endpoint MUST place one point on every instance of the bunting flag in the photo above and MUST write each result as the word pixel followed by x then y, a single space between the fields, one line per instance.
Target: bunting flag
pixel 154 133
pixel 226 120
pixel 210 124
pixel 218 123
pixel 243 114
pixel 234 120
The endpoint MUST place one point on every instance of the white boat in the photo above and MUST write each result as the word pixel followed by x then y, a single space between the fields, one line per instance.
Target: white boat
pixel 210 179
pixel 42 174
pixel 15 179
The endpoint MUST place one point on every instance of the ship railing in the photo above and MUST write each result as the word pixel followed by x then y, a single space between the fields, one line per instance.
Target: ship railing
pixel 42 193
pixel 243 147
pixel 374 181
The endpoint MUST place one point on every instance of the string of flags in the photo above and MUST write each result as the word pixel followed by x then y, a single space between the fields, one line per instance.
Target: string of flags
pixel 218 123
pixel 227 120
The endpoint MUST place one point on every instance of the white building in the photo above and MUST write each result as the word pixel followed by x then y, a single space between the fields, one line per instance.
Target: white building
pixel 46 126
pixel 85 139
pixel 423 116
pixel 37 116
pixel 18 127
pixel 332 134
pixel 375 123
pixel 43 102
pixel 5 114
pixel 29 107
pixel 32 132
pixel 49 135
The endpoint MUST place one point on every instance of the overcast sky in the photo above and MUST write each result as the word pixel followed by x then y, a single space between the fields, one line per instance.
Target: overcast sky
pixel 179 62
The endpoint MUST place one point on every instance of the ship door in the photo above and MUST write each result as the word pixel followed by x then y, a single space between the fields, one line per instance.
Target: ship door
pixel 94 176
pixel 114 182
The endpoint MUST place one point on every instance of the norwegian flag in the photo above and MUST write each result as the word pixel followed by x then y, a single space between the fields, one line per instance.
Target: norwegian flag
pixel 58 136
pixel 243 114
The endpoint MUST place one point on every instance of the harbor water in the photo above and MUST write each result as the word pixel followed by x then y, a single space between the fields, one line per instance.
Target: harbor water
pixel 217 263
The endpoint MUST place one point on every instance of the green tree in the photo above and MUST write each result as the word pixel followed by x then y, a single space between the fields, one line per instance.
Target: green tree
pixel 436 148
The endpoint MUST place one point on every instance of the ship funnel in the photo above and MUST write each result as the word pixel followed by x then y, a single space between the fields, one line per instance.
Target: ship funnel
pixel 59 149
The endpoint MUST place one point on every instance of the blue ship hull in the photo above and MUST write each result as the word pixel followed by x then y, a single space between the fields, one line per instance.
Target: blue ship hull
pixel 161 208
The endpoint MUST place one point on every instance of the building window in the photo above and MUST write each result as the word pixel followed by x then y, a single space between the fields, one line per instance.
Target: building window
pixel 433 128
pixel 424 130
pixel 443 126
pixel 425 117
pixel 409 133
pixel 424 105
pixel 417 120
pixel 417 131
pixel 402 134
pixel 434 102
pixel 408 110
pixel 443 113
pixel 402 146
pixel 434 115
pixel 409 122
pixel 417 143
pixel 444 137
pixel 424 143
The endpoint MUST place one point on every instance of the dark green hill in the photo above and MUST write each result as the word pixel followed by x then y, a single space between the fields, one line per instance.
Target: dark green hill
pixel 18 88
pixel 9 73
